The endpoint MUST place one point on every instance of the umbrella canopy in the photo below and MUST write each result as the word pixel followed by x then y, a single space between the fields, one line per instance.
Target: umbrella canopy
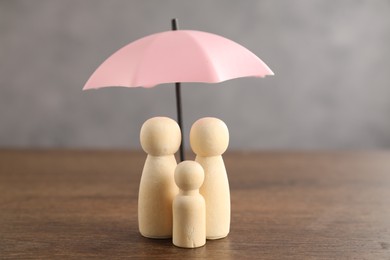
pixel 177 56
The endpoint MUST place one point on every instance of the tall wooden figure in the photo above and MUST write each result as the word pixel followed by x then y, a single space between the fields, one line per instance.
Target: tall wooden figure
pixel 209 139
pixel 189 209
pixel 160 138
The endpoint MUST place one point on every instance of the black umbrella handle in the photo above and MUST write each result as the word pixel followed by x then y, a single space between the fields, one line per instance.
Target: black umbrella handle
pixel 178 104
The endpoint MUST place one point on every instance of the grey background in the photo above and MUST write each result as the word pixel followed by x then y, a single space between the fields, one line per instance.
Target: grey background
pixel 331 60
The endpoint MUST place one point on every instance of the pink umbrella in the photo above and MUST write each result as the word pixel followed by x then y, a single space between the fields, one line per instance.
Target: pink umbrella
pixel 177 56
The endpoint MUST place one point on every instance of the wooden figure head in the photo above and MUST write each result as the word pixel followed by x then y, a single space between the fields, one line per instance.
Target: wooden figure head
pixel 189 175
pixel 209 136
pixel 160 136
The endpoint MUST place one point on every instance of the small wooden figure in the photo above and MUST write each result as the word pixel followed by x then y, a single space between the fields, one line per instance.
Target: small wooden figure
pixel 209 139
pixel 189 209
pixel 160 138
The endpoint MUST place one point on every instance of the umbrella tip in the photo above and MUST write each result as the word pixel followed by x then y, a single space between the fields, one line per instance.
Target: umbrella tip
pixel 174 24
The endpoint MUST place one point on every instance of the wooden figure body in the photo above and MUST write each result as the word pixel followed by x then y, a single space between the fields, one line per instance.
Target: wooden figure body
pixel 189 209
pixel 160 138
pixel 209 138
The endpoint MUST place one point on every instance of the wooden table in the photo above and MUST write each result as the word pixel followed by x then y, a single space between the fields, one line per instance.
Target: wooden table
pixel 79 204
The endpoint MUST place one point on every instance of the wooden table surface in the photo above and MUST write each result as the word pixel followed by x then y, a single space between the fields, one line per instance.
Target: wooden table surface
pixel 292 205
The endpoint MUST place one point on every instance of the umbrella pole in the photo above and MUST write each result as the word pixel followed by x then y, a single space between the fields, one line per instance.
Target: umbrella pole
pixel 178 104
pixel 180 119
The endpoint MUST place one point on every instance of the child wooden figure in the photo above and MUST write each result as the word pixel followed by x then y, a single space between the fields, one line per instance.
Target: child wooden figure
pixel 209 138
pixel 160 138
pixel 189 209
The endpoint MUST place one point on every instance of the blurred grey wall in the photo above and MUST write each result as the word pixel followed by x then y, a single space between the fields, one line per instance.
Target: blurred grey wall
pixel 331 60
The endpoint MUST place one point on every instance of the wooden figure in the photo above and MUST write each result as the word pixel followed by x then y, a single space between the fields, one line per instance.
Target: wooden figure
pixel 160 138
pixel 189 209
pixel 209 139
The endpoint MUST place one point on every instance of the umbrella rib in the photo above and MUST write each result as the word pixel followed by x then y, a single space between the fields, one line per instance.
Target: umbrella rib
pixel 209 62
pixel 134 81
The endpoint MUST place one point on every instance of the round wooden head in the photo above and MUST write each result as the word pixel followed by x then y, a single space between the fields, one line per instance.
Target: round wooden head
pixel 189 175
pixel 160 136
pixel 209 136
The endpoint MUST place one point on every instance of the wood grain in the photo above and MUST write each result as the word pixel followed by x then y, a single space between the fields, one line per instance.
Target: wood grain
pixel 79 204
